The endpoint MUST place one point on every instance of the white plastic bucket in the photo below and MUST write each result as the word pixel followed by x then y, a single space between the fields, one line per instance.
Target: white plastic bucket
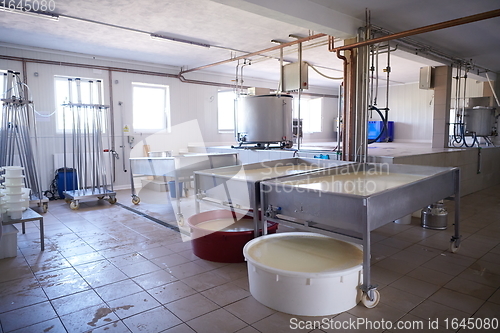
pixel 15 205
pixel 14 181
pixel 304 273
pixel 18 189
pixel 15 197
pixel 13 171
pixel 15 213
pixel 8 242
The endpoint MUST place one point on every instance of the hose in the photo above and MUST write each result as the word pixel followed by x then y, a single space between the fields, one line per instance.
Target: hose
pixel 326 76
pixel 384 121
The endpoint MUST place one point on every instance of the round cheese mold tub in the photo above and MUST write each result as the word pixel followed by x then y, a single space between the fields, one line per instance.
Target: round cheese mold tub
pixel 216 237
pixel 304 274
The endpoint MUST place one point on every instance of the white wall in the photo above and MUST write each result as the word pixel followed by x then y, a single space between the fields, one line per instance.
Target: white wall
pixel 411 109
pixel 193 106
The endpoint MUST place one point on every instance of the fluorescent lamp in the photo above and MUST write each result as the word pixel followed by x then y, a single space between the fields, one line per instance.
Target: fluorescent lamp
pixel 49 16
pixel 160 37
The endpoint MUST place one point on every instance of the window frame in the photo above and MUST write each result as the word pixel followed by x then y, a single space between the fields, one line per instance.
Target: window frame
pixel 58 106
pixel 166 109
pixel 220 115
pixel 306 117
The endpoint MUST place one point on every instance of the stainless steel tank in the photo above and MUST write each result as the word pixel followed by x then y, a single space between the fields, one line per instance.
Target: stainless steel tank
pixel 480 120
pixel 265 119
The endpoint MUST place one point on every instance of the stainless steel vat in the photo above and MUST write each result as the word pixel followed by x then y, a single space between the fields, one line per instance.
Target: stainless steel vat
pixel 480 120
pixel 239 186
pixel 265 119
pixel 339 202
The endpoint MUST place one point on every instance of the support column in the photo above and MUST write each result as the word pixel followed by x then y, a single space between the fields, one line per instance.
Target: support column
pixel 442 98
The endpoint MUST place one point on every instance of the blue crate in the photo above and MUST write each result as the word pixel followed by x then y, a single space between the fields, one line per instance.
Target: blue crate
pixel 374 128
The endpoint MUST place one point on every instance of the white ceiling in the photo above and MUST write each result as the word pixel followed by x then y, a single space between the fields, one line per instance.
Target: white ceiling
pixel 248 26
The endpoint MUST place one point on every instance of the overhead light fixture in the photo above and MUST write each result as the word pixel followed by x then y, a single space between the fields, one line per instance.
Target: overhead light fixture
pixel 295 36
pixel 160 37
pixel 275 41
pixel 49 16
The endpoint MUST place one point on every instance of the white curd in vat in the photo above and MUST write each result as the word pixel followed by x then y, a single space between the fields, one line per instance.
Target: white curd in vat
pixel 271 172
pixel 356 183
pixel 306 254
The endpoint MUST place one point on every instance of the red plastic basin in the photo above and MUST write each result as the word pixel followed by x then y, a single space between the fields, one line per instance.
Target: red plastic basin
pixel 221 246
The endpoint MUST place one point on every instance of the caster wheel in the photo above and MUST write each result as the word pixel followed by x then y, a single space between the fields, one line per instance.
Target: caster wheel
pixel 180 219
pixel 67 200
pixel 368 302
pixel 74 205
pixel 112 200
pixel 136 200
pixel 100 198
pixel 454 247
pixel 45 208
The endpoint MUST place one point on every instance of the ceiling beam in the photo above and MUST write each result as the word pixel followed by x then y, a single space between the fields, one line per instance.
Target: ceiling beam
pixel 305 14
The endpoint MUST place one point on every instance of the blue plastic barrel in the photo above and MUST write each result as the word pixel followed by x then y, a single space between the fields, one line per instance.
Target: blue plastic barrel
pixel 173 191
pixel 71 180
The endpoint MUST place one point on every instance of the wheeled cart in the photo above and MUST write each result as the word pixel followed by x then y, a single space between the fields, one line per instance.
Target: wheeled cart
pixel 348 202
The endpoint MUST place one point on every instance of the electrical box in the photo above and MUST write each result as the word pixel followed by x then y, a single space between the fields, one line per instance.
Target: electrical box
pixel 291 80
pixel 258 91
pixel 425 81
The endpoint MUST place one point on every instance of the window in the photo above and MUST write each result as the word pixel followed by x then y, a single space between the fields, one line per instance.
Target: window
pixel 2 91
pixel 225 111
pixel 310 112
pixel 151 107
pixel 89 95
pixel 2 88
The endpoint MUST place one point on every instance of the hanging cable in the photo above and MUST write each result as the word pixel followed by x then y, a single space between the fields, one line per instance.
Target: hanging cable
pixel 325 76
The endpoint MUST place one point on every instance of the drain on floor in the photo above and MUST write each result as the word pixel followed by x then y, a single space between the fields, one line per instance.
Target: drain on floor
pixel 149 217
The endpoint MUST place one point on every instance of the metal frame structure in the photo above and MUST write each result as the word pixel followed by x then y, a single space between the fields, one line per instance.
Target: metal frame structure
pixel 88 123
pixel 352 217
pixel 241 193
pixel 18 135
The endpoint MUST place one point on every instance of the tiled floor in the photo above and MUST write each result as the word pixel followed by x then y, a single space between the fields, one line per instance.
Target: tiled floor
pixel 107 269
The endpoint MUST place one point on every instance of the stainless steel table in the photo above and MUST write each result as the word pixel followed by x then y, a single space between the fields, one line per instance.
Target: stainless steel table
pixel 28 216
pixel 238 187
pixel 348 202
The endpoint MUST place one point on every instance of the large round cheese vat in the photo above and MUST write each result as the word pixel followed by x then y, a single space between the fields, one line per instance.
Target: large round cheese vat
pixel 304 274
pixel 264 119
pixel 224 245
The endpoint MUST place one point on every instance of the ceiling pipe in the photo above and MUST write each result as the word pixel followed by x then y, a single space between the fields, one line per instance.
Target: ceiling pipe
pixel 305 39
pixel 135 71
pixel 424 29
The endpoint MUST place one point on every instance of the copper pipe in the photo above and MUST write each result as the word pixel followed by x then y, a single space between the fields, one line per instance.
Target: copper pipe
pixel 424 29
pixel 351 148
pixel 344 106
pixel 301 40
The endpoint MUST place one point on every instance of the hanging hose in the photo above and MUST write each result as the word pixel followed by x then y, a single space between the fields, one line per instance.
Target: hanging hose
pixel 384 121
pixel 323 75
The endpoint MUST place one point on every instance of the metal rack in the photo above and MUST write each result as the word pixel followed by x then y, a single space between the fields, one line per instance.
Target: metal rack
pixel 314 202
pixel 18 136
pixel 238 187
pixel 84 128
pixel 180 168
